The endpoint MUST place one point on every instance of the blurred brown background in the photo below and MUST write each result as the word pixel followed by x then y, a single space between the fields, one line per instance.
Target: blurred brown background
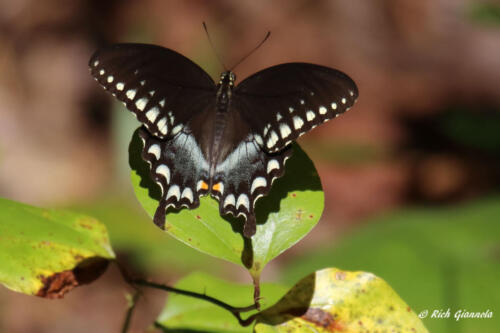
pixel 424 132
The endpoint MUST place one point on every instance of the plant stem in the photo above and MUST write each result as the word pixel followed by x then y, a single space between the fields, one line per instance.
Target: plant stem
pixel 130 311
pixel 236 311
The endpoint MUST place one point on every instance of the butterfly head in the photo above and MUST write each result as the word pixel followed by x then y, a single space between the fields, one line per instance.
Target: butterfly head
pixel 227 78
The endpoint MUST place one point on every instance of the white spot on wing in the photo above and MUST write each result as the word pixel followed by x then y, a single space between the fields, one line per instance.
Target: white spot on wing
pixel 110 78
pixel 188 194
pixel 96 63
pixel 152 114
pixel 302 102
pixel 278 116
pixel 141 103
pixel 120 86
pixel 297 122
pixel 176 129
pixel 198 185
pixel 334 106
pixel 310 115
pixel 273 138
pixel 162 125
pixel 285 130
pixel 258 139
pixel 243 201
pixel 266 129
pixel 258 182
pixel 142 82
pixel 131 93
pixel 344 100
pixel 351 92
pixel 102 71
pixel 174 191
pixel 291 109
pixel 162 102
pixel 155 150
pixel 151 93
pixel 230 200
pixel 163 170
pixel 322 110
pixel 272 164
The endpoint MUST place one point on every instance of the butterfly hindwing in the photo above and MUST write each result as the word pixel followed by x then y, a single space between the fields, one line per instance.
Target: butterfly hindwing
pixel 245 173
pixel 154 83
pixel 285 101
pixel 178 167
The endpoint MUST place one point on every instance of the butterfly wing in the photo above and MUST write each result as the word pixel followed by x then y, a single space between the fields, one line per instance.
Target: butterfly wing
pixel 285 101
pixel 179 167
pixel 154 83
pixel 244 172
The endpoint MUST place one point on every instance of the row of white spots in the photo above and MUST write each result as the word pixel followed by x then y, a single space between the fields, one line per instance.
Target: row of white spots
pixel 175 192
pixel 230 200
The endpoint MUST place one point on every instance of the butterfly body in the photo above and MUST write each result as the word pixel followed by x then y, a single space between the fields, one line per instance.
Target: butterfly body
pixel 224 140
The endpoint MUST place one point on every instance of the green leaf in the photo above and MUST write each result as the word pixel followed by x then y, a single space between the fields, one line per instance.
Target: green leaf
pixel 435 258
pixel 291 210
pixel 46 252
pixel 188 313
pixel 332 300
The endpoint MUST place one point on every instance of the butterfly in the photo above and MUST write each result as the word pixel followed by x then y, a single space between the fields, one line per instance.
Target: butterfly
pixel 220 139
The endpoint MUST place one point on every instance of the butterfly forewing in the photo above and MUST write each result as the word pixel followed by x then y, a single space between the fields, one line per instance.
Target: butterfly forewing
pixel 154 83
pixel 285 101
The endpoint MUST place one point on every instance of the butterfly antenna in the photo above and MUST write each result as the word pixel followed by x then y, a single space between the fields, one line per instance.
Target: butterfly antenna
pixel 252 51
pixel 212 45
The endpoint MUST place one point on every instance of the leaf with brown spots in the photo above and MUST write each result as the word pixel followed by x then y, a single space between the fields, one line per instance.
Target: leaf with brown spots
pixel 47 252
pixel 331 300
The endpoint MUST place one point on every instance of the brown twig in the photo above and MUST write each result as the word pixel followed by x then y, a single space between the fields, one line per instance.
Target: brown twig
pixel 235 311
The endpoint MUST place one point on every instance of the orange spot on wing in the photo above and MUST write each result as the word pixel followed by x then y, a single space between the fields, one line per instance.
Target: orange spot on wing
pixel 204 186
pixel 216 187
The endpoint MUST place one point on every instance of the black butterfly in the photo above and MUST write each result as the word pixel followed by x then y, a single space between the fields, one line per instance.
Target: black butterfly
pixel 227 141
